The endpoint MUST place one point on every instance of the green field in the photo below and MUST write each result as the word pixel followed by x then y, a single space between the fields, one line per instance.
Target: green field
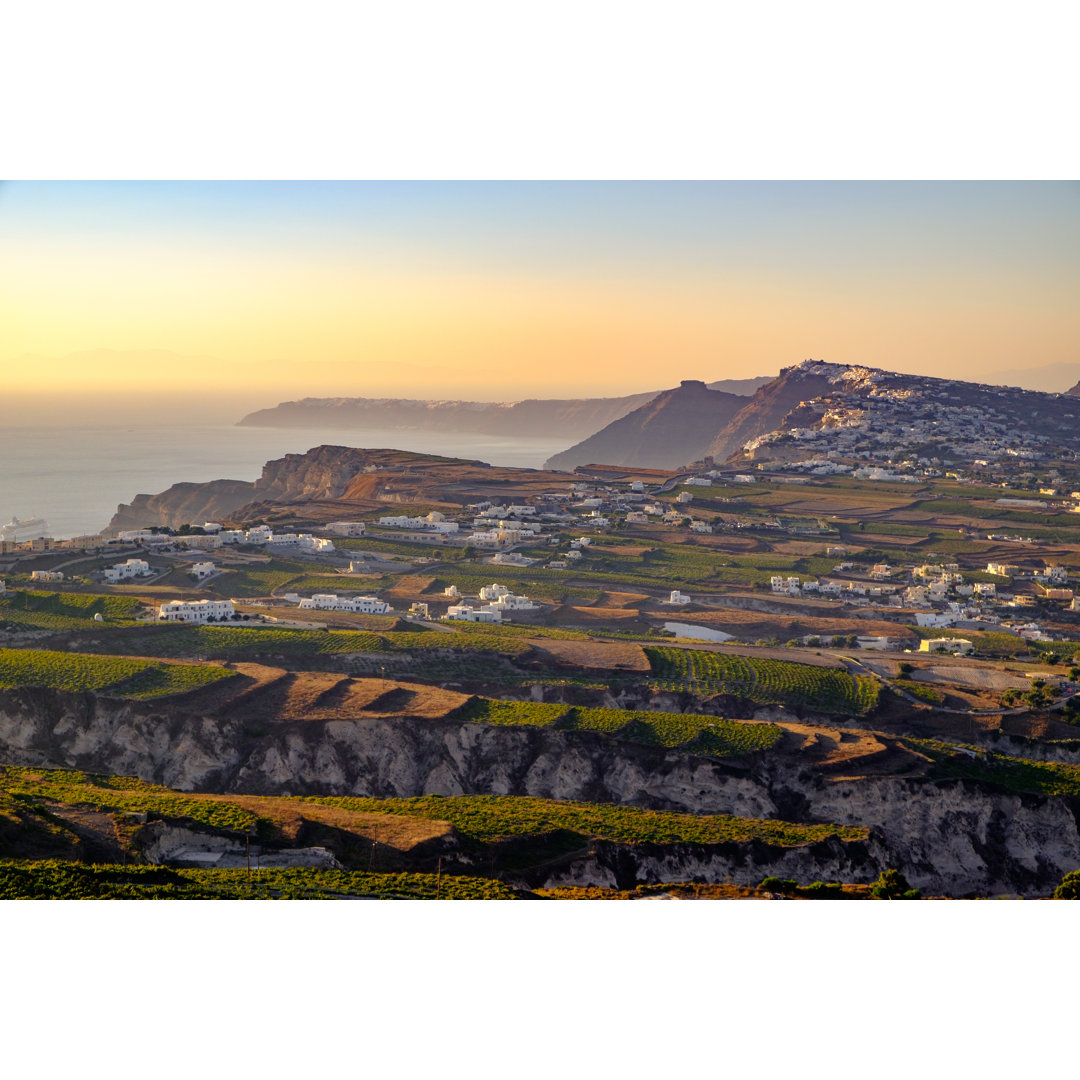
pixel 32 610
pixel 710 735
pixel 253 643
pixel 486 819
pixel 122 794
pixel 769 681
pixel 56 880
pixel 112 676
pixel 1011 773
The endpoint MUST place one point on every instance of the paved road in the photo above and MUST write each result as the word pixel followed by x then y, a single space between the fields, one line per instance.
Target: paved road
pixel 673 482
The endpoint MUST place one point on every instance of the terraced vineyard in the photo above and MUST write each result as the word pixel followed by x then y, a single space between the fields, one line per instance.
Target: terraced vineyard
pixel 485 819
pixel 55 880
pixel 1011 773
pixel 31 610
pixel 123 794
pixel 709 735
pixel 762 679
pixel 114 676
pixel 244 643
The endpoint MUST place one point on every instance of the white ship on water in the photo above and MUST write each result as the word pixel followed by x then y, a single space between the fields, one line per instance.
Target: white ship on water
pixel 26 529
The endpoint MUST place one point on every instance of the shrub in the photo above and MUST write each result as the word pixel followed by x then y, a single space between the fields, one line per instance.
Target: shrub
pixel 1069 889
pixel 892 885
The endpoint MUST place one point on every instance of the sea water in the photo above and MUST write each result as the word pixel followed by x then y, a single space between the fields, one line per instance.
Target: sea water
pixel 76 477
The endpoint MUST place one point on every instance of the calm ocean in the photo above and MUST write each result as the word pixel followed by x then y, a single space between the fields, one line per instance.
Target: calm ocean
pixel 76 477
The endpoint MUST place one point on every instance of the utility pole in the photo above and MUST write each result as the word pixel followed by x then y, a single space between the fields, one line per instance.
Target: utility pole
pixel 438 880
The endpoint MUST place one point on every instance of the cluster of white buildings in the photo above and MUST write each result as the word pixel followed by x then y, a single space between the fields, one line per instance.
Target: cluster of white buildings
pixel 495 602
pixel 435 522
pixel 215 536
pixel 877 414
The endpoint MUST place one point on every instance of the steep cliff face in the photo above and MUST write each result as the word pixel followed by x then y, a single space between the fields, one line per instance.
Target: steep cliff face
pixel 624 866
pixel 323 472
pixel 767 408
pixel 191 503
pixel 951 837
pixel 674 428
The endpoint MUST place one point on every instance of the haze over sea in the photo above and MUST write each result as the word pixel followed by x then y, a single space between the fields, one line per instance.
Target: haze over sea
pixel 75 477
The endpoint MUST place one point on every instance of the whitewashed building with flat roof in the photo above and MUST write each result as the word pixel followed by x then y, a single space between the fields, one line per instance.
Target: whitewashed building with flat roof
pixel 467 613
pixel 196 611
pixel 364 605
pixel 130 569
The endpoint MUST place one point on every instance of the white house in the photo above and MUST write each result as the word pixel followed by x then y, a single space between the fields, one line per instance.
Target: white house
pixel 365 605
pixel 677 597
pixel 196 611
pixel 684 497
pixel 468 613
pixel 936 618
pixel 788 587
pixel 202 570
pixel 700 527
pixel 131 568
pixel 46 575
pixel 304 541
pixel 502 599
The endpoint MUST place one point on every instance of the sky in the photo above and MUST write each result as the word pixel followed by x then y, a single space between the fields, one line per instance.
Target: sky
pixel 236 295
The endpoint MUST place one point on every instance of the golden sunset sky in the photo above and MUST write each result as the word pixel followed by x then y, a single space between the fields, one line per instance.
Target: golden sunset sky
pixel 267 291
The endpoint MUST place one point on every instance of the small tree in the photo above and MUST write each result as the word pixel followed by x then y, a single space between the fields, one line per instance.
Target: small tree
pixel 892 885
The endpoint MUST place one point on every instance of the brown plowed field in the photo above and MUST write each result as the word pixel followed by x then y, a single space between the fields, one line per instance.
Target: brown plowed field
pixel 596 655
